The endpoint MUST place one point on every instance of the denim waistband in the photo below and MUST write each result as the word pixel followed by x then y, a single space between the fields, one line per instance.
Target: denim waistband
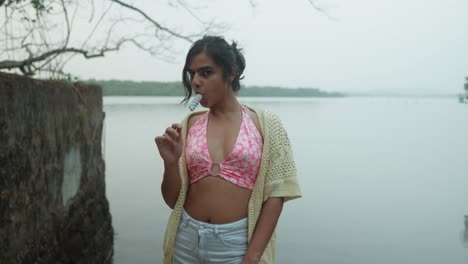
pixel 236 225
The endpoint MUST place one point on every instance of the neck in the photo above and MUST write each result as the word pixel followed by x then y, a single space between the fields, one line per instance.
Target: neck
pixel 230 105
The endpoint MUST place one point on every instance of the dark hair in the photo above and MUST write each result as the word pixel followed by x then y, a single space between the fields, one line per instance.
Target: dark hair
pixel 228 57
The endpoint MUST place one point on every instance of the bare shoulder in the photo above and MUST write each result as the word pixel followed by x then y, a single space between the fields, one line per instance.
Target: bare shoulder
pixel 253 115
pixel 193 118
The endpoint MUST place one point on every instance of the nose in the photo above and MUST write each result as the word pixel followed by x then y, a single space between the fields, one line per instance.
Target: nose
pixel 196 82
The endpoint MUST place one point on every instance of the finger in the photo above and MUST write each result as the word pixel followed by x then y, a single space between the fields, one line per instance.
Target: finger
pixel 159 140
pixel 172 133
pixel 177 126
pixel 164 139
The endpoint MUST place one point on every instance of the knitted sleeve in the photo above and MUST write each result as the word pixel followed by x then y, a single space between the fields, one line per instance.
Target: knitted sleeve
pixel 281 178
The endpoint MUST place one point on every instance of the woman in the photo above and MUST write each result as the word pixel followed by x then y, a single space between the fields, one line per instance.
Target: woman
pixel 227 171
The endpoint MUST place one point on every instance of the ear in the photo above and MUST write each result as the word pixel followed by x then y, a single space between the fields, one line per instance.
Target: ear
pixel 231 77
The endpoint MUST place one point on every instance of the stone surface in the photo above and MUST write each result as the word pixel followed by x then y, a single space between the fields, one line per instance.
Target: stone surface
pixel 50 147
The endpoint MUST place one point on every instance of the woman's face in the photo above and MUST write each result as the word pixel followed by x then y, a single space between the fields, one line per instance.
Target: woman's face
pixel 206 78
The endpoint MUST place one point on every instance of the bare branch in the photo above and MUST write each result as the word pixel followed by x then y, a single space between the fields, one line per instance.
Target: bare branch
pixel 25 65
pixel 51 59
pixel 153 21
pixel 96 26
pixel 319 9
pixel 253 4
pixel 8 64
pixel 43 40
pixel 7 19
pixel 92 11
pixel 65 12
pixel 111 30
pixel 189 10
pixel 315 5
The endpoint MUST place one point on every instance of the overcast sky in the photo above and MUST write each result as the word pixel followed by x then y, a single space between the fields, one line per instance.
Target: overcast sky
pixel 401 46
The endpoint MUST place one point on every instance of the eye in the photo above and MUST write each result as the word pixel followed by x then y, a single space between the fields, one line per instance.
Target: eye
pixel 205 73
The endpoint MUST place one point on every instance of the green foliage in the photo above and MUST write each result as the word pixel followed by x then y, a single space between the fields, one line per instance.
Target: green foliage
pixel 133 88
pixel 466 83
pixel 38 5
pixel 270 91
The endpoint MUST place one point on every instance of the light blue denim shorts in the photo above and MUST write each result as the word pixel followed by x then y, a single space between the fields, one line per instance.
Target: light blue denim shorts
pixel 200 242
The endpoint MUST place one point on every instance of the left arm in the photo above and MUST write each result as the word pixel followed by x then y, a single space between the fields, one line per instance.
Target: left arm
pixel 271 210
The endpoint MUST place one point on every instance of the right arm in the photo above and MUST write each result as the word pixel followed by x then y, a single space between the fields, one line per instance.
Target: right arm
pixel 170 149
pixel 170 186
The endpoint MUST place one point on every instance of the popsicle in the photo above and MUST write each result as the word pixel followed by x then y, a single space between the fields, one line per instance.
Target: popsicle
pixel 195 101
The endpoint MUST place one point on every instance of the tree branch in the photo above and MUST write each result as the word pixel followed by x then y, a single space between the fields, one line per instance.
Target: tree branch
pixel 319 9
pixel 26 65
pixel 9 64
pixel 34 36
pixel 96 26
pixel 67 21
pixel 159 26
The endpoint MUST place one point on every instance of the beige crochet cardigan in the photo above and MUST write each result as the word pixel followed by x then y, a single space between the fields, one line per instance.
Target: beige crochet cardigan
pixel 276 178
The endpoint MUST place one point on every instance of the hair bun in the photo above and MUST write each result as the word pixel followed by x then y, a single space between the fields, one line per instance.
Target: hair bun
pixel 234 45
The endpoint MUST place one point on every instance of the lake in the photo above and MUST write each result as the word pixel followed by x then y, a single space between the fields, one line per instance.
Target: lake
pixel 384 180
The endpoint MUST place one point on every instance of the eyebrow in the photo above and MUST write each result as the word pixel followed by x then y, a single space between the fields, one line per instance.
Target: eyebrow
pixel 206 67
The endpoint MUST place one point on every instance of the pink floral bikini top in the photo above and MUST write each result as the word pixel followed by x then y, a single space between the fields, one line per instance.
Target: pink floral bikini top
pixel 240 167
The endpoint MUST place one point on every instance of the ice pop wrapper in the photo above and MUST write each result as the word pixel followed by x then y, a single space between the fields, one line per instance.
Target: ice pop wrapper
pixel 195 101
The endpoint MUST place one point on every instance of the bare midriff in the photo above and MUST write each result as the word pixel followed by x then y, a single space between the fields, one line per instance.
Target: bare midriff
pixel 217 201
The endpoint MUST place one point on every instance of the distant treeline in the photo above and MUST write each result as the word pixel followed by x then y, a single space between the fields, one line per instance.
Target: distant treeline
pixel 146 88
pixel 466 83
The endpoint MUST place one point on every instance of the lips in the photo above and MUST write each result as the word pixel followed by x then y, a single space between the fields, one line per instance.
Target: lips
pixel 203 100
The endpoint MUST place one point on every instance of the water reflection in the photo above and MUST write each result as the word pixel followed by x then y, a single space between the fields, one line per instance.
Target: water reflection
pixel 372 126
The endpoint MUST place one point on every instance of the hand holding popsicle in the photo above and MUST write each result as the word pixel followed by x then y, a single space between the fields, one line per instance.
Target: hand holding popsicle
pixel 195 101
pixel 170 143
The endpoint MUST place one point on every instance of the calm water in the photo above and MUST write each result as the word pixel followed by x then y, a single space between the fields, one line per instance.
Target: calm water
pixel 384 180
